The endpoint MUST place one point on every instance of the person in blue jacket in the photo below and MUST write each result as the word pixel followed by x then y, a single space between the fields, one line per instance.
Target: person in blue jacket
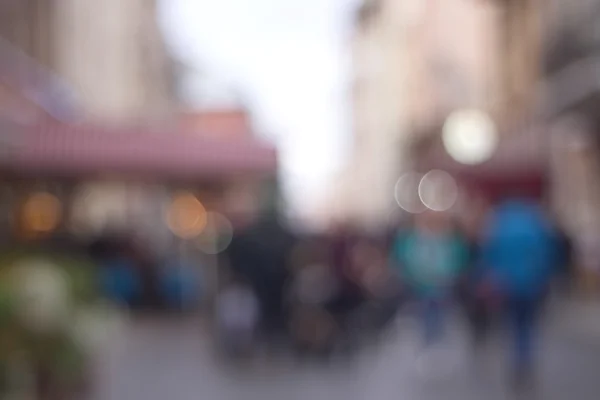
pixel 517 252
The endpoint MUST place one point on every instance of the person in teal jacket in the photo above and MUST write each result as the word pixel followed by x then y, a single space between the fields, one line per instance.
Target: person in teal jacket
pixel 430 258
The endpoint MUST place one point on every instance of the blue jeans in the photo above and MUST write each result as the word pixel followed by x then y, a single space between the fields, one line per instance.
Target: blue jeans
pixel 523 313
pixel 432 314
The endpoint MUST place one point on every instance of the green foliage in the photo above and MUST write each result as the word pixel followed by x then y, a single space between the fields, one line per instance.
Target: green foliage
pixel 55 352
pixel 80 271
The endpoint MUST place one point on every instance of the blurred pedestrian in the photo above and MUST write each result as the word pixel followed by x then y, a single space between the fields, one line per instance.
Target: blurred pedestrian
pixel 565 261
pixel 349 294
pixel 312 287
pixel 379 285
pixel 260 254
pixel 518 252
pixel 474 301
pixel 119 280
pixel 237 315
pixel 118 274
pixel 430 256
pixel 180 284
pixel 477 304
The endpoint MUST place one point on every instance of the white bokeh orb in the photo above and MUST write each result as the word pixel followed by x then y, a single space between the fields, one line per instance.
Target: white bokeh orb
pixel 438 190
pixel 217 235
pixel 406 193
pixel 470 136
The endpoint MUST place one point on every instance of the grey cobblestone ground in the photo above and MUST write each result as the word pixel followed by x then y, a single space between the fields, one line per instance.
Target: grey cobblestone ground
pixel 157 360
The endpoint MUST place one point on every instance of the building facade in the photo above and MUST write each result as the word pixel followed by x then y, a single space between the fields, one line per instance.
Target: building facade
pixel 377 107
pixel 28 25
pixel 112 53
pixel 417 61
pixel 569 109
pixel 128 148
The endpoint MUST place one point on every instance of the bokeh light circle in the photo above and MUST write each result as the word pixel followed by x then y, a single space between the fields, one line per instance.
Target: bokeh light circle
pixel 186 217
pixel 217 235
pixel 406 193
pixel 42 213
pixel 470 136
pixel 438 190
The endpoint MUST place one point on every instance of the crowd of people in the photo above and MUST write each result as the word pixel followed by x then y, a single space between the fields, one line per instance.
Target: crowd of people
pixel 506 268
pixel 322 294
pixel 314 291
pixel 328 292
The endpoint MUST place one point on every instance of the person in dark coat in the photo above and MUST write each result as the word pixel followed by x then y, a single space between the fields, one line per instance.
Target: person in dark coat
pixel 350 295
pixel 260 255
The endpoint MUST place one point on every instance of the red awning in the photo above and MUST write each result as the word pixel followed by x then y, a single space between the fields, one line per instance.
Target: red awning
pixel 75 150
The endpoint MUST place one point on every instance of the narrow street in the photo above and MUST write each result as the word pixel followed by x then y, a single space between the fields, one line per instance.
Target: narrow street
pixel 156 360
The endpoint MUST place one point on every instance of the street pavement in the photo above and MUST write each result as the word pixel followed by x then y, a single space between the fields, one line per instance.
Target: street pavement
pixel 158 359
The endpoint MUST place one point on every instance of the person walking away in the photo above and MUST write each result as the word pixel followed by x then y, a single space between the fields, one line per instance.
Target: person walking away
pixel 565 259
pixel 259 254
pixel 180 284
pixel 476 303
pixel 379 284
pixel 430 256
pixel 518 254
pixel 349 296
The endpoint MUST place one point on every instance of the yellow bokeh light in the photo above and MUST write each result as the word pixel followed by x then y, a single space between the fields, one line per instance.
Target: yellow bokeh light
pixel 42 213
pixel 186 216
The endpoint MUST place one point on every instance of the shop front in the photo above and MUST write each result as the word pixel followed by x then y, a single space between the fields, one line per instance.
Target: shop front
pixel 81 182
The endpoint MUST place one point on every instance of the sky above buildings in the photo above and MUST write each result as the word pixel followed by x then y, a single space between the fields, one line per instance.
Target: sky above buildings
pixel 289 59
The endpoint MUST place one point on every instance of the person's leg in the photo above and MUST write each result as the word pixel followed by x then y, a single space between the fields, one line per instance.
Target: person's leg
pixel 478 315
pixel 523 313
pixel 390 308
pixel 432 321
pixel 481 323
pixel 432 331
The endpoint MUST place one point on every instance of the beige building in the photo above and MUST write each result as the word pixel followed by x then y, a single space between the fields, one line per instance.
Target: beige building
pixel 415 62
pixel 110 52
pixel 380 72
pixel 569 110
pixel 27 24
pixel 113 54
